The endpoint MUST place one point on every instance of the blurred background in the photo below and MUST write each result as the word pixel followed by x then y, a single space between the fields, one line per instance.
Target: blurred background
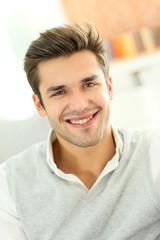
pixel 131 33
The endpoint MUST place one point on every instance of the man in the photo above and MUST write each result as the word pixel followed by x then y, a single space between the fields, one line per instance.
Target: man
pixel 89 181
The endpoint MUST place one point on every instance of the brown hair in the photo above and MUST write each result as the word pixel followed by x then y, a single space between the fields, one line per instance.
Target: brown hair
pixel 62 41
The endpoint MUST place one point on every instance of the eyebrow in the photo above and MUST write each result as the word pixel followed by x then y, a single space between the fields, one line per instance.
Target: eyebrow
pixel 55 88
pixel 59 87
pixel 91 78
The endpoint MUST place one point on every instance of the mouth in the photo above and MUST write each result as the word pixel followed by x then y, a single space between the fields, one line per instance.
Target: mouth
pixel 84 121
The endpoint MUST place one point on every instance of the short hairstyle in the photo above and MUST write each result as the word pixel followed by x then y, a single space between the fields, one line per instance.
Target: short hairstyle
pixel 62 41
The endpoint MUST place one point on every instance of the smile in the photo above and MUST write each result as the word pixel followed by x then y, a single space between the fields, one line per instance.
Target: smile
pixel 82 122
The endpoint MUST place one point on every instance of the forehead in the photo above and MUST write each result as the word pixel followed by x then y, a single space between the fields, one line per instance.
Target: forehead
pixel 63 69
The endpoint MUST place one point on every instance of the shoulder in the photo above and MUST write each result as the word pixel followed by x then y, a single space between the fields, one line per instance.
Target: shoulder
pixel 147 141
pixel 10 224
pixel 31 153
pixel 6 202
pixel 23 158
pixel 139 135
pixel 154 152
pixel 26 163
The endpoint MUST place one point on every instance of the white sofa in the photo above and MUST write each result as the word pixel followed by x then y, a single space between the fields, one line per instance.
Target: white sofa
pixel 15 136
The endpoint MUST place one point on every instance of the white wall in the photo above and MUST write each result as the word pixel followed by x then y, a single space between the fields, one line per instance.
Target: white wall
pixel 136 98
pixel 20 23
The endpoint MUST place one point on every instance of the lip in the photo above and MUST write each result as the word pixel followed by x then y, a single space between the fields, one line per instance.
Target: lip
pixel 84 125
pixel 81 117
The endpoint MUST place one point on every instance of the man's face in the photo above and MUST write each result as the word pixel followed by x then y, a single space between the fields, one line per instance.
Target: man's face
pixel 76 98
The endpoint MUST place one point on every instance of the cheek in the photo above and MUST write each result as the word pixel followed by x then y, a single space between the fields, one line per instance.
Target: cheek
pixel 102 98
pixel 55 110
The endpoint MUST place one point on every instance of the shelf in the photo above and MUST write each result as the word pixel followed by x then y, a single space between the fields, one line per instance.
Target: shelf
pixel 138 55
pixel 138 62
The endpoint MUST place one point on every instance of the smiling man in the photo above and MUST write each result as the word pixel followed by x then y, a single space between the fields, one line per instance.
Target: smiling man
pixel 89 180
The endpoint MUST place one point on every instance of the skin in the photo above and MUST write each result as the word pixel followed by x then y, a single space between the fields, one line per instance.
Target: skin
pixel 74 89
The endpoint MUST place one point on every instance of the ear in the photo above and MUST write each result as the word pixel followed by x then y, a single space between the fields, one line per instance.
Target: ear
pixel 110 88
pixel 38 105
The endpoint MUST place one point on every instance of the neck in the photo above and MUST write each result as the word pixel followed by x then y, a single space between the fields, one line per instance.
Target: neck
pixel 84 162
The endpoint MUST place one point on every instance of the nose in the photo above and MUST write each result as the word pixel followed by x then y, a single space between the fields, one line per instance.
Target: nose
pixel 78 101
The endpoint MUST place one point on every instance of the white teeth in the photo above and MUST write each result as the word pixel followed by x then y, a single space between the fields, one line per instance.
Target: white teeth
pixel 81 121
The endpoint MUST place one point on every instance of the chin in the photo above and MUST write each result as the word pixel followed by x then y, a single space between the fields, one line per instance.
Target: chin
pixel 86 144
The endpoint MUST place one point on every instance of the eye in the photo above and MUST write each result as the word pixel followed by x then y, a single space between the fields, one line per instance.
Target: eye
pixel 89 84
pixel 59 93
